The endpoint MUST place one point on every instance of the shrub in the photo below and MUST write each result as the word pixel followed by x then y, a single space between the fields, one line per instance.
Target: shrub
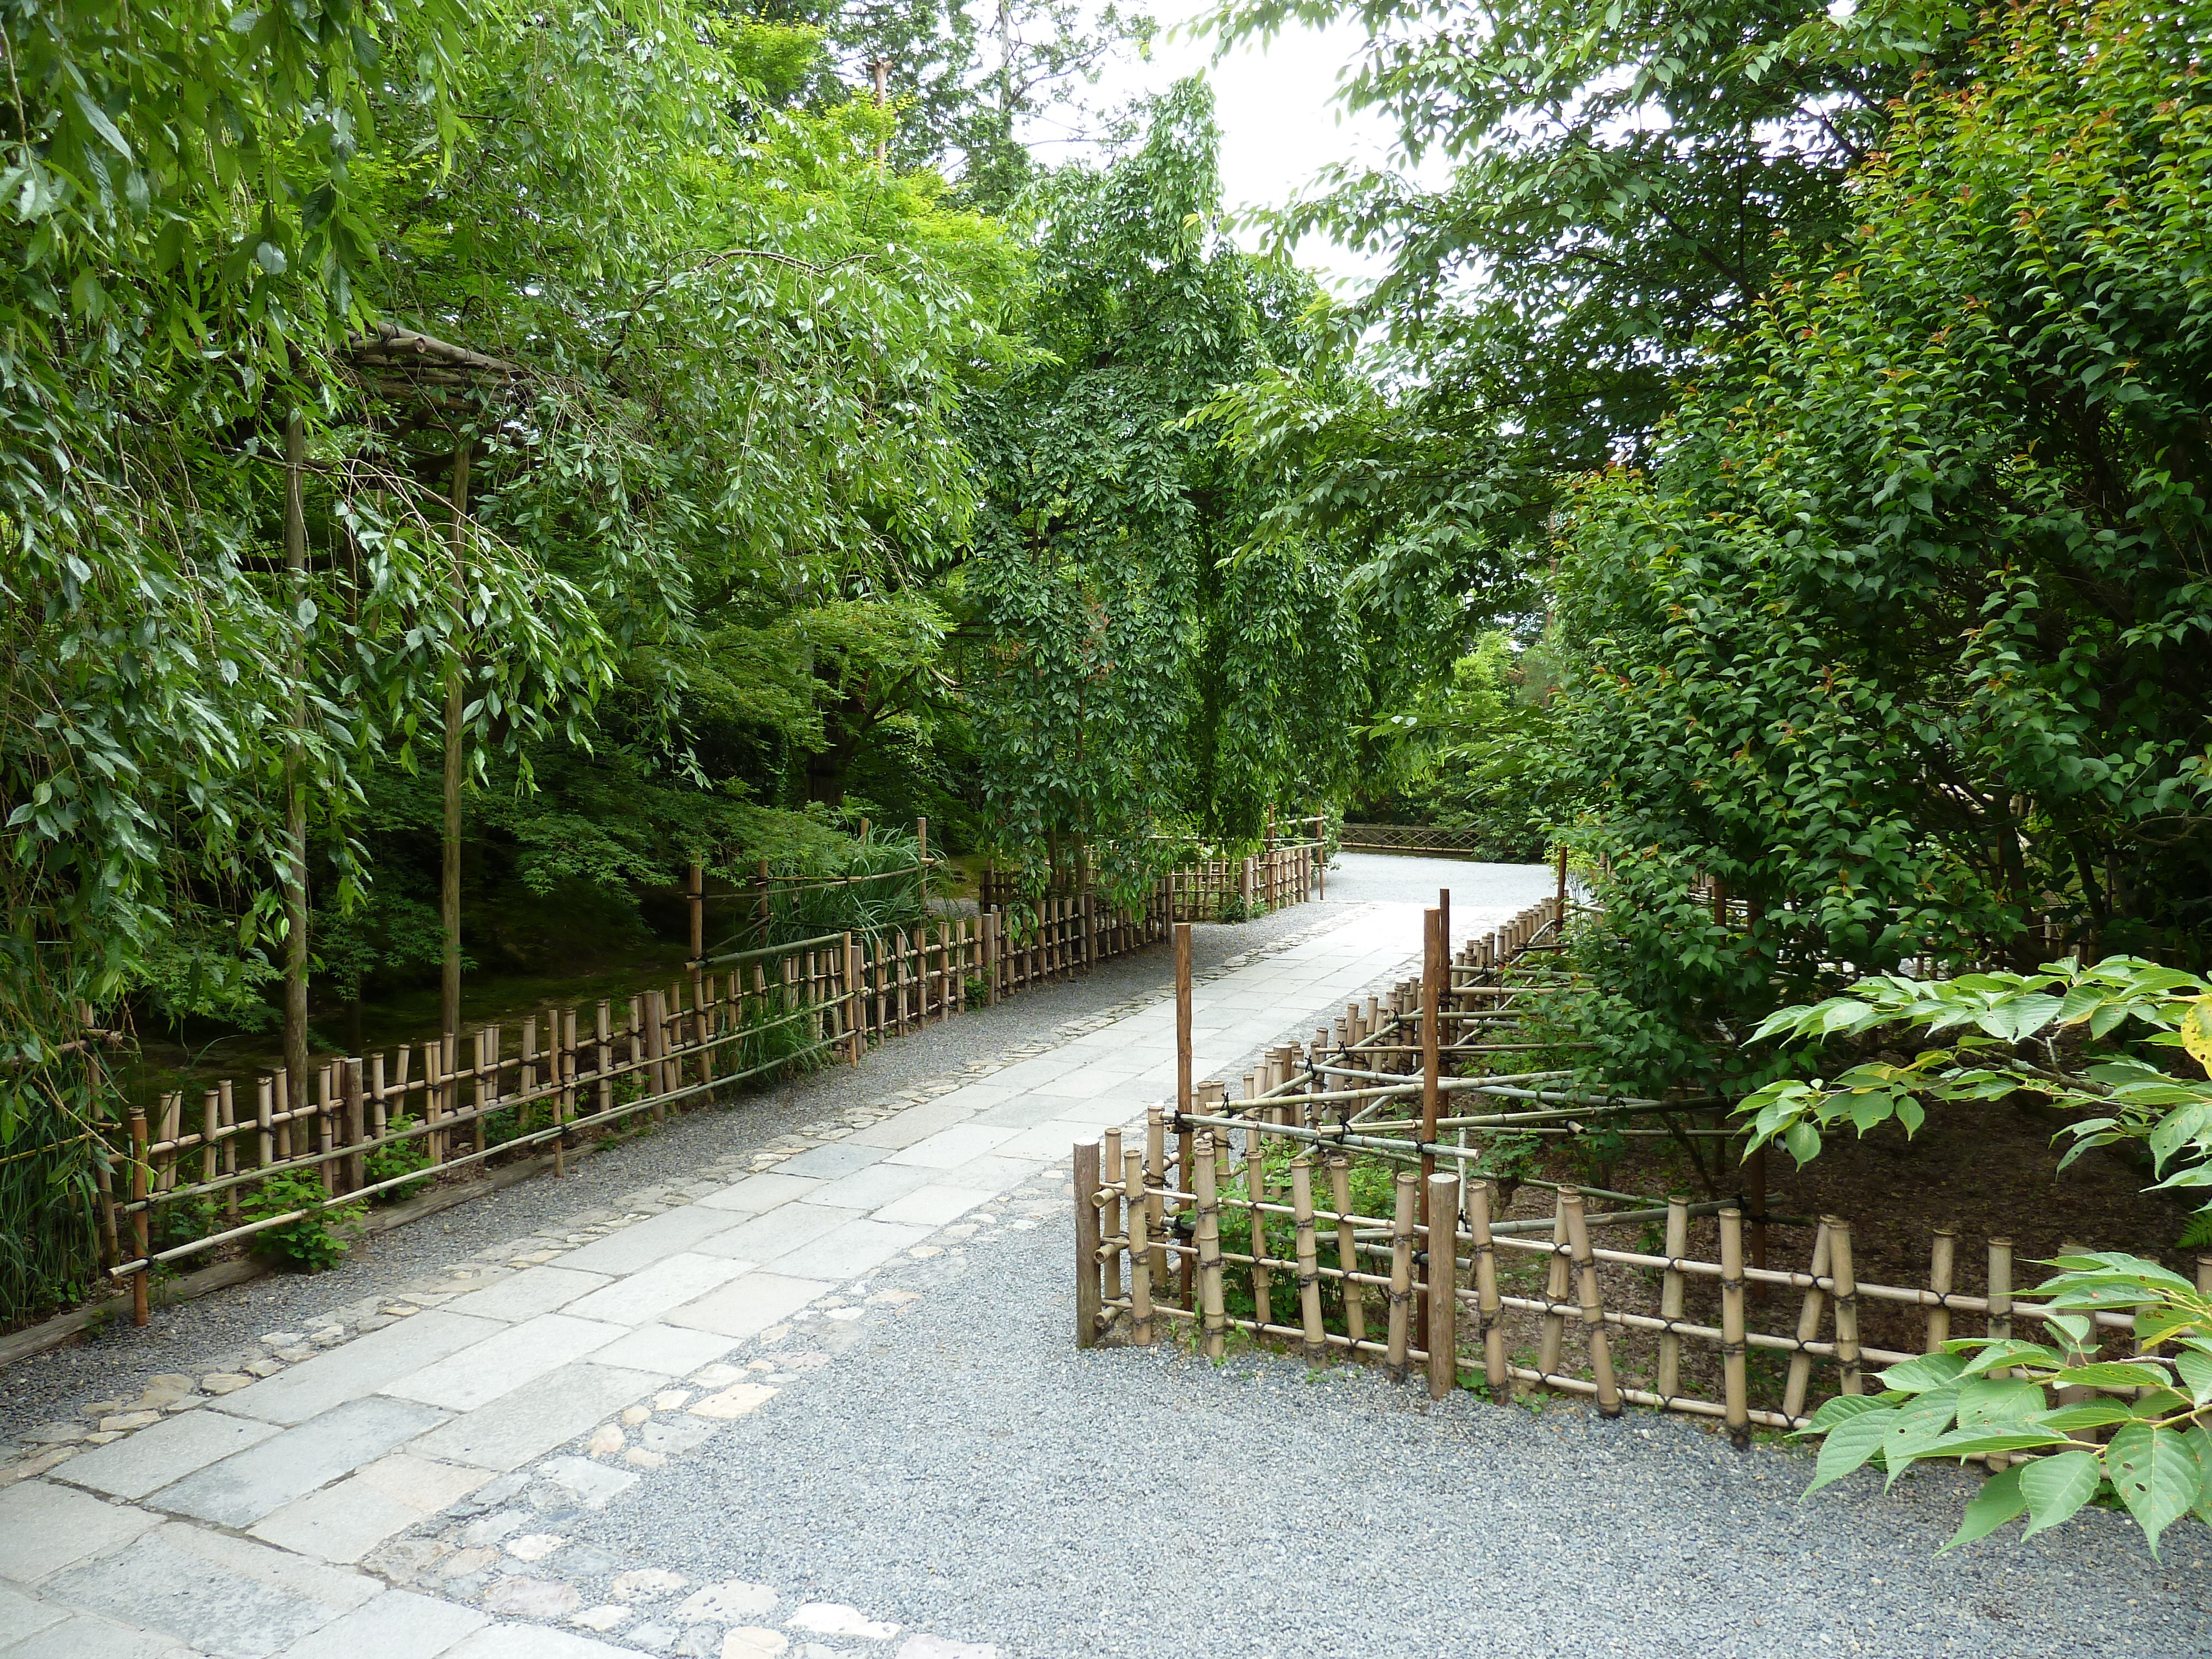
pixel 309 1244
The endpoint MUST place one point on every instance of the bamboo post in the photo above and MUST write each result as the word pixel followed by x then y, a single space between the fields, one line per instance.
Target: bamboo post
pixel 1808 1327
pixel 656 1035
pixel 1402 1274
pixel 1109 1219
pixel 1444 1282
pixel 1308 1259
pixel 1847 1303
pixel 1593 1307
pixel 1562 884
pixel 1213 1324
pixel 209 1130
pixel 1432 973
pixel 855 1016
pixel 227 1109
pixel 140 1221
pixel 1347 1247
pixel 695 893
pixel 1555 1294
pixel 1134 1202
pixel 355 1164
pixel 1671 1291
pixel 564 1103
pixel 1754 1179
pixel 603 1035
pixel 1732 1343
pixel 1941 1251
pixel 263 1112
pixel 1156 1149
pixel 1489 1309
pixel 2000 1315
pixel 1182 1076
pixel 282 1115
pixel 990 921
pixel 1087 1299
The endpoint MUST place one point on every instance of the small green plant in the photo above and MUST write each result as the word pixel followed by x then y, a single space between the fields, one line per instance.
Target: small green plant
pixel 309 1244
pixel 183 1221
pixel 400 1157
pixel 1234 907
pixel 979 992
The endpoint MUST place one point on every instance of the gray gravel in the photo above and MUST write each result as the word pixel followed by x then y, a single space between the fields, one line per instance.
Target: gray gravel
pixel 210 1334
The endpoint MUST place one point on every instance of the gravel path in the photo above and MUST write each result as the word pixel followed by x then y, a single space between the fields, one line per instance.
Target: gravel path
pixel 209 1334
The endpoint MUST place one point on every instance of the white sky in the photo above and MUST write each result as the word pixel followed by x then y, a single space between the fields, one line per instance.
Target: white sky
pixel 1279 122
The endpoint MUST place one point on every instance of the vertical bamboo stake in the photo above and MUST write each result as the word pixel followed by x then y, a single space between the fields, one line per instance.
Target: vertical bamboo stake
pixel 1255 1191
pixel 210 1128
pixel 1732 1343
pixel 1140 1272
pixel 1443 1281
pixel 1671 1288
pixel 140 1221
pixel 1754 1180
pixel 1347 1247
pixel 1213 1324
pixel 1309 1258
pixel 1156 1148
pixel 1402 1274
pixel 1432 973
pixel 990 921
pixel 1489 1309
pixel 227 1110
pixel 1087 1295
pixel 1182 1077
pixel 1847 1302
pixel 1555 1294
pixel 855 1016
pixel 283 1117
pixel 1808 1327
pixel 2000 1327
pixel 564 1103
pixel 1940 1263
pixel 263 1112
pixel 355 1168
pixel 1110 1218
pixel 1593 1307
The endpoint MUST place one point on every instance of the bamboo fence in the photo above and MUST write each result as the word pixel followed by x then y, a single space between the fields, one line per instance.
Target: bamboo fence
pixel 1403 1080
pixel 1208 889
pixel 559 1078
pixel 1407 838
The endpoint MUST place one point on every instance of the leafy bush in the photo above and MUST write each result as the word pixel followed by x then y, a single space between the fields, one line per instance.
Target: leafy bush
pixel 1982 1396
pixel 400 1159
pixel 309 1244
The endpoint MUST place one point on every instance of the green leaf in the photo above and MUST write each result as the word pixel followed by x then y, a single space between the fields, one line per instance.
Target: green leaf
pixel 1926 1371
pixel 1918 1425
pixel 1977 1442
pixel 1984 1400
pixel 1849 1445
pixel 2009 1351
pixel 2057 1486
pixel 2157 1475
pixel 106 128
pixel 2088 1414
pixel 2112 1373
pixel 1999 1501
pixel 1842 1409
pixel 2196 1370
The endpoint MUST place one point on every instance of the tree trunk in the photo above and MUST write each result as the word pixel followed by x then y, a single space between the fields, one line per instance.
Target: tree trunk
pixel 449 886
pixel 296 782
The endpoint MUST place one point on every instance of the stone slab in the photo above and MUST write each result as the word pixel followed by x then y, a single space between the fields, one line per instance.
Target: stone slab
pixel 397 1624
pixel 950 1148
pixel 249 1484
pixel 839 1158
pixel 88 1636
pixel 534 1642
pixel 778 1232
pixel 1052 1138
pixel 1023 1112
pixel 852 1249
pixel 478 1375
pixel 760 1192
pixel 872 1187
pixel 664 1350
pixel 533 1420
pixel 45 1529
pixel 342 1522
pixel 934 1205
pixel 22 1615
pixel 651 1291
pixel 916 1123
pixel 745 1307
pixel 644 1243
pixel 169 1450
pixel 533 1291
pixel 993 1173
pixel 361 1367
pixel 229 1597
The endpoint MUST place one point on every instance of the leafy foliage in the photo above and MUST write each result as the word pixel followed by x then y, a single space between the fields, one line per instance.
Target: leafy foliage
pixel 313 1242
pixel 1981 1396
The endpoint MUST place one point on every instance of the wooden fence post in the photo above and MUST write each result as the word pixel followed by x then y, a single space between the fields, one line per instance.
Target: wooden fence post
pixel 1402 1274
pixel 140 1221
pixel 355 1164
pixel 1488 1309
pixel 1433 972
pixel 1443 1279
pixel 1733 1382
pixel 655 1020
pixel 1594 1331
pixel 1847 1303
pixel 1087 1299
pixel 1135 1203
pixel 854 1016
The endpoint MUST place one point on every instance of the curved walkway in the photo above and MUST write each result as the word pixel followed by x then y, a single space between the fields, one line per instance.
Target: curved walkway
pixel 818 1396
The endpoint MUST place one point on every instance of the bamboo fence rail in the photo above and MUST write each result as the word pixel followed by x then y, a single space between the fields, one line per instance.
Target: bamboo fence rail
pixel 1150 1218
pixel 1407 838
pixel 560 1077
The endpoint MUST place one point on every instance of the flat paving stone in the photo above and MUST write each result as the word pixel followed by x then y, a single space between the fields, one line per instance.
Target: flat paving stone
pixel 45 1529
pixel 88 1636
pixel 249 1484
pixel 934 1205
pixel 778 1233
pixel 533 1291
pixel 360 1368
pixel 397 1624
pixel 644 1243
pixel 478 1375
pixel 745 1307
pixel 342 1522
pixel 531 1420
pixel 905 1128
pixel 534 1642
pixel 872 1187
pixel 852 1249
pixel 839 1158
pixel 950 1148
pixel 760 1192
pixel 1054 1138
pixel 669 1350
pixel 669 1283
pixel 229 1597
pixel 172 1448
pixel 22 1615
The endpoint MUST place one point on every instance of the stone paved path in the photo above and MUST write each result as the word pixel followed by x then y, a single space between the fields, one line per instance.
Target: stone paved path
pixel 392 1495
